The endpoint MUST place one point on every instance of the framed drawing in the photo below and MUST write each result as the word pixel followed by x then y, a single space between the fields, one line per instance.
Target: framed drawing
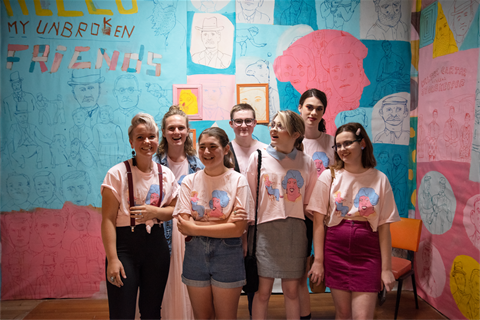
pixel 193 135
pixel 255 95
pixel 189 98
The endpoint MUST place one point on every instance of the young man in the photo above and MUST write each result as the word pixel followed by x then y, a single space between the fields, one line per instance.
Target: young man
pixel 243 122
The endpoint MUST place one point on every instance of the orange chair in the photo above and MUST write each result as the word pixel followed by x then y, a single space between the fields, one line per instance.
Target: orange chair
pixel 405 235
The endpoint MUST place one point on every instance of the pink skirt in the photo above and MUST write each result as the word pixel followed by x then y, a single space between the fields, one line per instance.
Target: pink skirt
pixel 352 257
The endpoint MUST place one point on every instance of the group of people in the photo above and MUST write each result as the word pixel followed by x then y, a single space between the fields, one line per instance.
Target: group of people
pixel 185 235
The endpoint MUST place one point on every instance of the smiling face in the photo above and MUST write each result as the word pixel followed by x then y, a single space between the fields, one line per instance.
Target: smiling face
pixel 351 155
pixel 345 74
pixel 295 72
pixel 144 140
pixel 365 207
pixel 210 152
pixel 243 130
pixel 293 192
pixel 175 130
pixel 127 93
pixel 86 94
pixel 312 111
pixel 44 187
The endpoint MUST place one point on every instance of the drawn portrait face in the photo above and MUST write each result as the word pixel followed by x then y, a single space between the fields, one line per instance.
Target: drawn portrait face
pixel 389 12
pixel 397 160
pixel 217 208
pixel 50 228
pixel 76 191
pixel 460 281
pixel 17 86
pixel 18 188
pixel 249 5
pixel 79 118
pixel 293 192
pixel 43 187
pixel 86 94
pixel 320 167
pixel 211 96
pixel 127 93
pixel 104 116
pixel 344 74
pixel 68 267
pixel 475 216
pixel 462 20
pixel 257 99
pixel 19 232
pixel 175 130
pixel 80 220
pixel 294 72
pixel 154 199
pixel 383 158
pixel 210 39
pixel 48 270
pixel 22 119
pixel 365 207
pixel 393 114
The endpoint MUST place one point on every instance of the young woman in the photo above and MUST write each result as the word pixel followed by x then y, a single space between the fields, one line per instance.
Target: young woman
pixel 137 252
pixel 213 267
pixel 287 178
pixel 358 206
pixel 318 145
pixel 176 152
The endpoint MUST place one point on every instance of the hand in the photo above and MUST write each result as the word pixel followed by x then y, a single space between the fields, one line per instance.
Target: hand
pixel 186 227
pixel 143 213
pixel 238 214
pixel 116 271
pixel 388 280
pixel 316 273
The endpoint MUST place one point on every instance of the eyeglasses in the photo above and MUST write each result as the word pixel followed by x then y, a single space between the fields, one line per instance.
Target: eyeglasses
pixel 239 122
pixel 276 126
pixel 345 145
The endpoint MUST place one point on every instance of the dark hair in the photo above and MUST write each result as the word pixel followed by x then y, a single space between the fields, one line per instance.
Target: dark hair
pixel 188 145
pixel 240 107
pixel 221 136
pixel 368 159
pixel 320 95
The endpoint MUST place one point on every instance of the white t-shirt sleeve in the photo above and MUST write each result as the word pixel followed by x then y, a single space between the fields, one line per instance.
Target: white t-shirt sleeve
pixel 388 212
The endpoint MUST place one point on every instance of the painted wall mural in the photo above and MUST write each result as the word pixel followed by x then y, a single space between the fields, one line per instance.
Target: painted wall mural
pixel 75 72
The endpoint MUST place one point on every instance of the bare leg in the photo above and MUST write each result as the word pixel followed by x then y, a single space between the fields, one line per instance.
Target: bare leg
pixel 225 302
pixel 202 302
pixel 304 293
pixel 343 303
pixel 363 304
pixel 260 301
pixel 290 293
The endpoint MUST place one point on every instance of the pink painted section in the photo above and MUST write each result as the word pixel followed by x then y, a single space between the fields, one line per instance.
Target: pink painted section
pixel 52 253
pixel 126 61
pixel 36 50
pixel 113 62
pixel 447 99
pixel 43 66
pixel 17 47
pixel 81 65
pixel 329 60
pixel 56 62
pixel 158 70
pixel 82 49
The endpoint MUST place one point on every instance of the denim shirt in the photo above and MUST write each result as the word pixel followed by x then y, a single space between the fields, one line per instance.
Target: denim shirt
pixel 194 165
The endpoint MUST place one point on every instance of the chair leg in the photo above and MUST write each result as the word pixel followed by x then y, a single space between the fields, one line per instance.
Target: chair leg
pixel 414 290
pixel 399 294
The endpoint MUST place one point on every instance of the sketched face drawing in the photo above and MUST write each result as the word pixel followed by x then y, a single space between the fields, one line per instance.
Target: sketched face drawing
pixel 211 96
pixel 365 207
pixel 393 114
pixel 79 118
pixel 389 12
pixel 320 167
pixel 383 158
pixel 48 270
pixel 19 232
pixel 344 73
pixel 50 228
pixel 86 94
pixel 217 208
pixel 18 188
pixel 22 119
pixel 68 267
pixel 127 93
pixel 250 5
pixel 397 160
pixel 44 187
pixel 460 281
pixel 80 220
pixel 256 98
pixel 17 86
pixel 104 116
pixel 462 20
pixel 210 39
pixel 295 72
pixel 76 191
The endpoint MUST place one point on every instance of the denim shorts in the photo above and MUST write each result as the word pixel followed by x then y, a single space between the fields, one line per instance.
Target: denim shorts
pixel 213 262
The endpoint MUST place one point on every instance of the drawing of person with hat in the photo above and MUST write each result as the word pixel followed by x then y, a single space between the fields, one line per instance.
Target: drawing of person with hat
pixel 211 37
pixel 441 219
pixel 86 90
pixel 460 278
pixel 18 97
pixel 49 285
pixel 462 13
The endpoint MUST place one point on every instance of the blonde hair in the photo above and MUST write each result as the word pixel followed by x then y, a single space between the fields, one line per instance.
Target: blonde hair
pixel 142 118
pixel 188 145
pixel 292 123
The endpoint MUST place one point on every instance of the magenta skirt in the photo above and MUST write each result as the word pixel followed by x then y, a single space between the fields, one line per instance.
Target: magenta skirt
pixel 352 257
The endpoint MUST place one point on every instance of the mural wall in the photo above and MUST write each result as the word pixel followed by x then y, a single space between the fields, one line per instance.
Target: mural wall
pixel 74 73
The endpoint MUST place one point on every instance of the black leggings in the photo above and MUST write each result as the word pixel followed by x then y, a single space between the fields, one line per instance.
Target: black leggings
pixel 146 260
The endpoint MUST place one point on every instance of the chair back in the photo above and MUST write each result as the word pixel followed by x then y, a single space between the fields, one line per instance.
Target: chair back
pixel 406 234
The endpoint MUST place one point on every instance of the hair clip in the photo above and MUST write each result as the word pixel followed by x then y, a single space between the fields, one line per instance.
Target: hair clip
pixel 358 132
pixel 363 148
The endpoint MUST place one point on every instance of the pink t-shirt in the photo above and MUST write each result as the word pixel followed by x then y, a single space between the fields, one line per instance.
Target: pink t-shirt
pixel 366 194
pixel 243 154
pixel 179 169
pixel 285 185
pixel 209 198
pixel 145 188
pixel 321 151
